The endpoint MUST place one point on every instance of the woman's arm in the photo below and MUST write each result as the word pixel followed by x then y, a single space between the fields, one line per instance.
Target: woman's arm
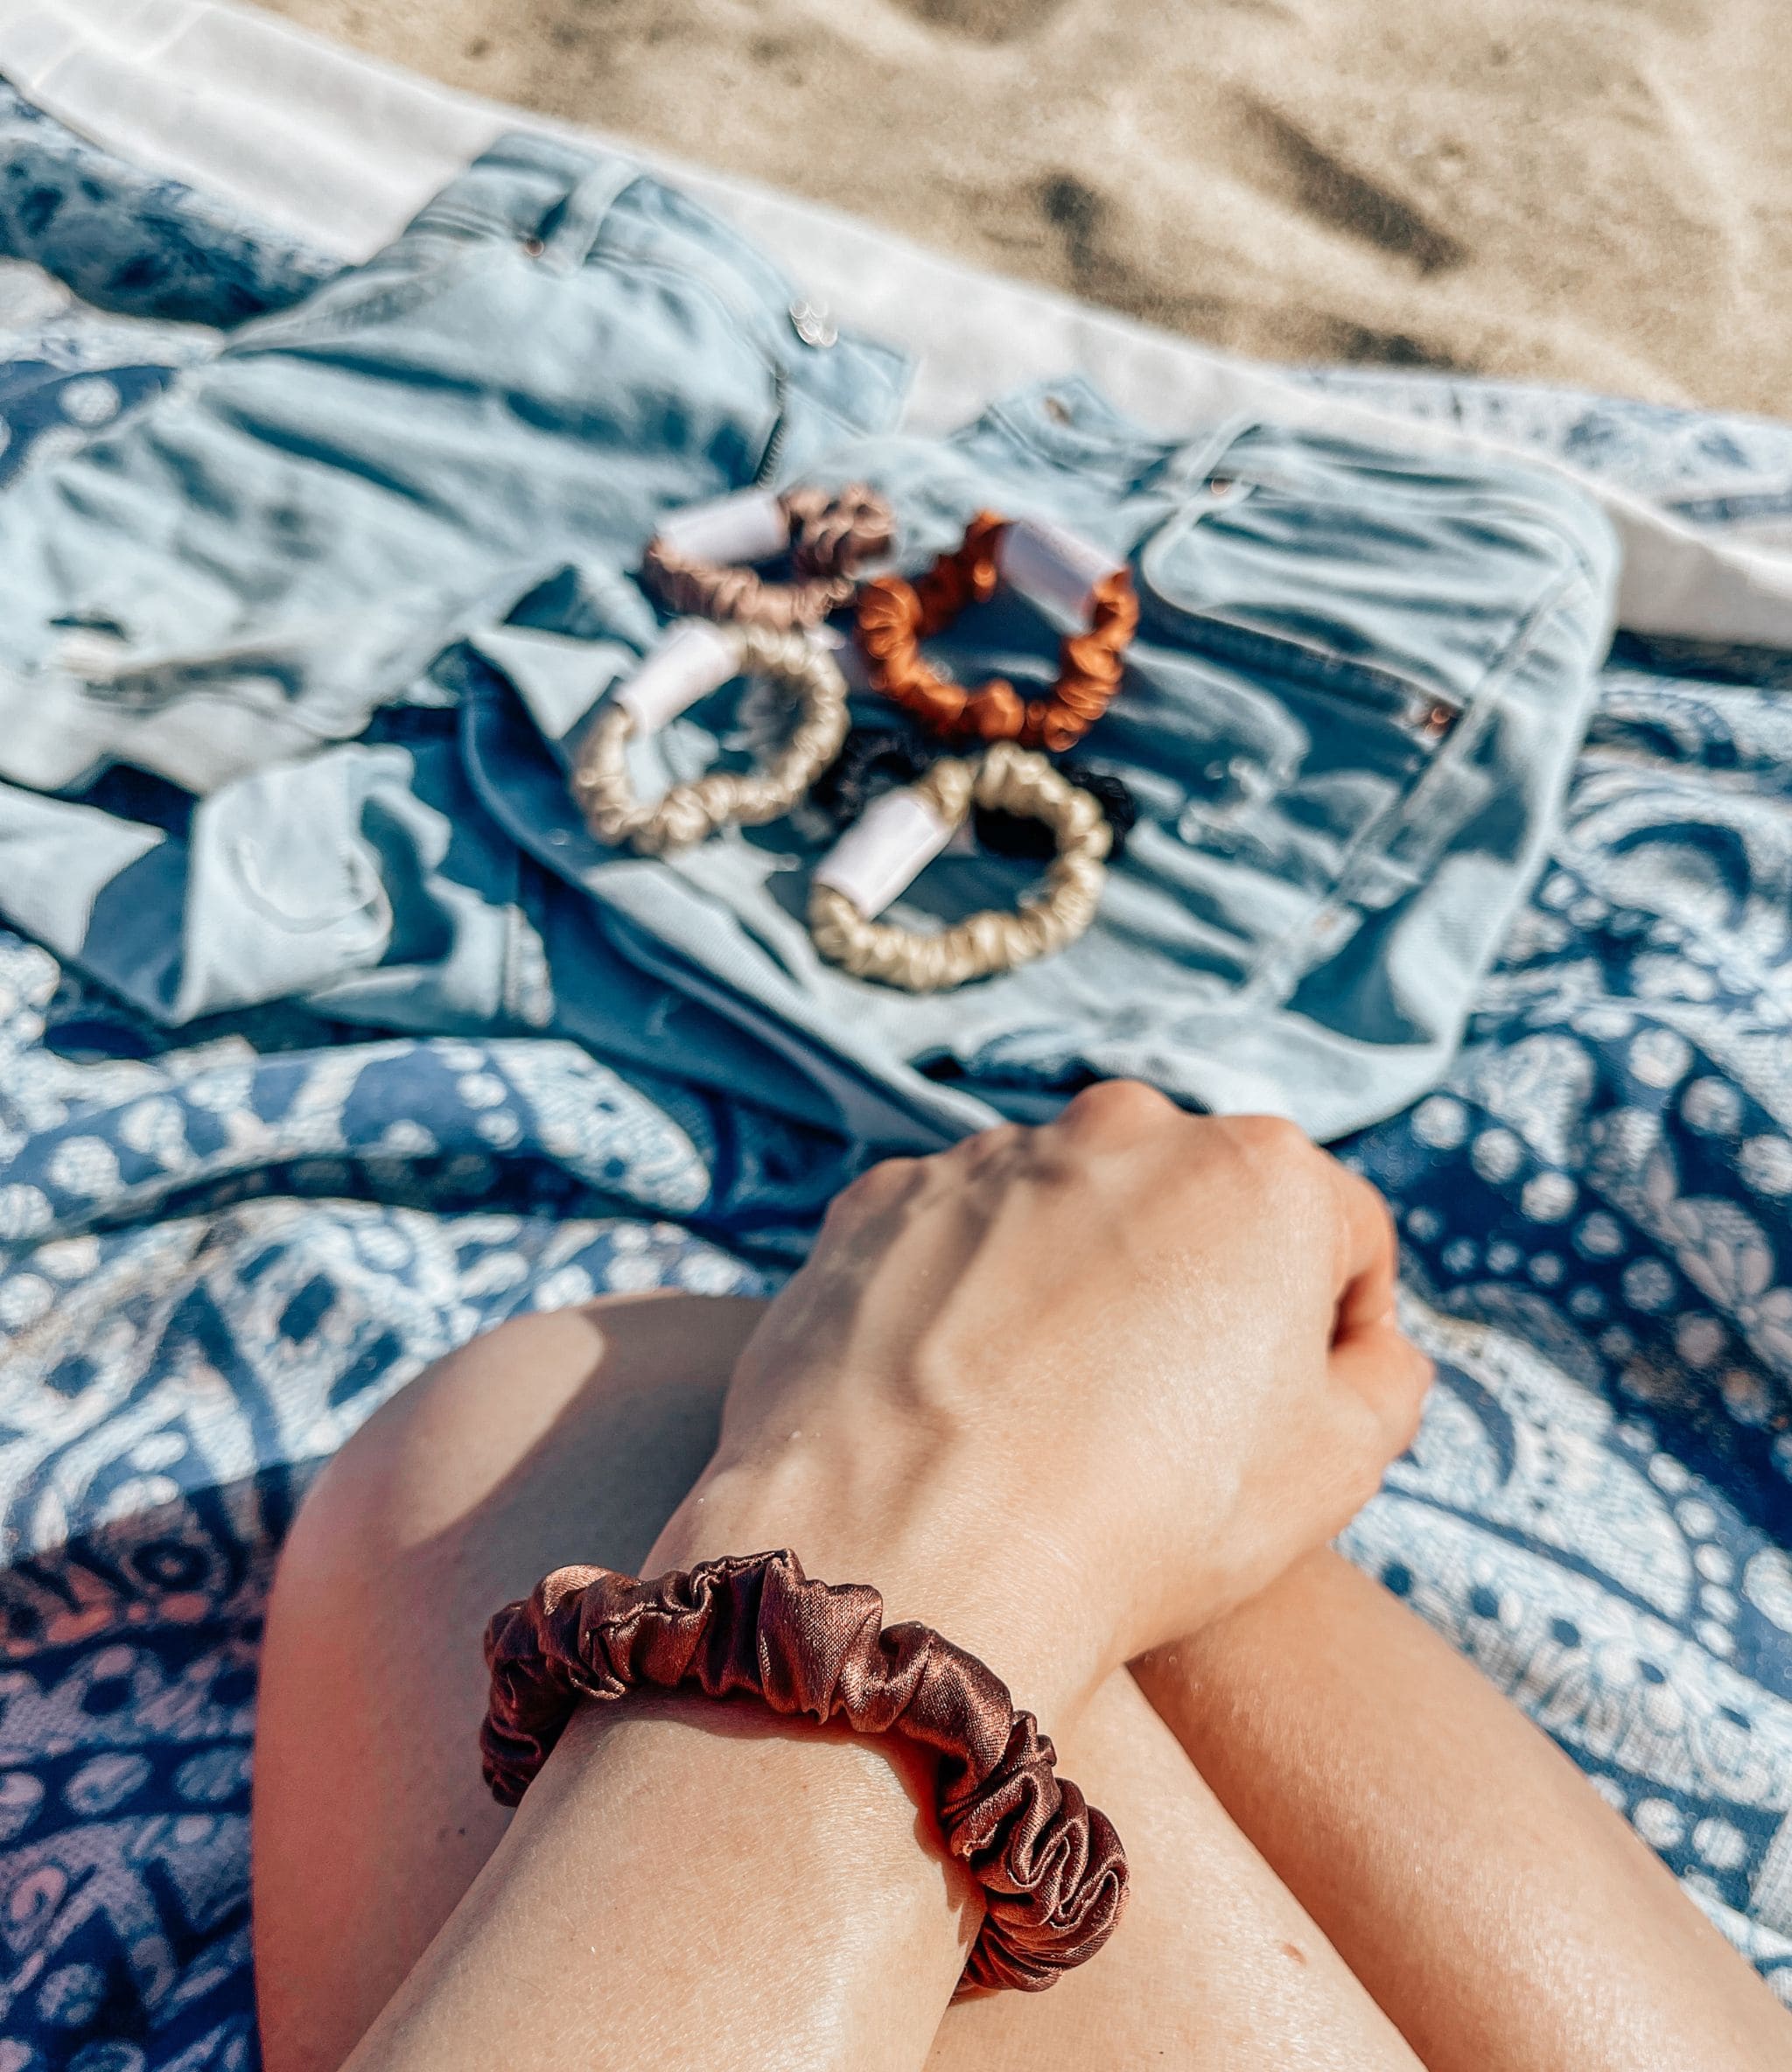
pixel 694 1884
pixel 586 1428
pixel 977 1396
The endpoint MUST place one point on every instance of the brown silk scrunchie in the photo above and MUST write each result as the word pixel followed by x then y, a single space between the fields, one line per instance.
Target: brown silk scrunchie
pixel 895 617
pixel 1052 1869
pixel 832 536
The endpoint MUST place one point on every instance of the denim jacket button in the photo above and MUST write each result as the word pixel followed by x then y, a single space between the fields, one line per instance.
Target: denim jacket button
pixel 814 325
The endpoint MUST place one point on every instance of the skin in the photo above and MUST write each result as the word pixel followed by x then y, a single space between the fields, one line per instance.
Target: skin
pixel 1462 1867
pixel 941 1404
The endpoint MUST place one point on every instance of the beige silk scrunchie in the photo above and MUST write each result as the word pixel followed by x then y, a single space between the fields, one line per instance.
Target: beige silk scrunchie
pixel 690 813
pixel 1008 780
pixel 695 563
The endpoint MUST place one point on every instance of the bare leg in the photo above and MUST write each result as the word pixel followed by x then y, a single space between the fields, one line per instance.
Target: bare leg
pixel 1501 1912
pixel 1492 1903
pixel 573 1437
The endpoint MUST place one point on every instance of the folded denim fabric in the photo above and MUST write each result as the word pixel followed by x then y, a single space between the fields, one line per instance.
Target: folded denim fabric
pixel 1360 678
pixel 556 351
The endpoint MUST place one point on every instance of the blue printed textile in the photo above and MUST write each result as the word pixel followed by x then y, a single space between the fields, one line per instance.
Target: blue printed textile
pixel 218 1256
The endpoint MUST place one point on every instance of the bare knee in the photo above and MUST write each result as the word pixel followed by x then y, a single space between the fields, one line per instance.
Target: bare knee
pixel 554 1438
pixel 581 1421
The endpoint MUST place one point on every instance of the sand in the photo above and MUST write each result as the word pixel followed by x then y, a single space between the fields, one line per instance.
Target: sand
pixel 1597 192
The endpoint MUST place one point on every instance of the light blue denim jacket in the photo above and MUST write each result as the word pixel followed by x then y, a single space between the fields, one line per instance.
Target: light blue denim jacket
pixel 1359 679
pixel 558 348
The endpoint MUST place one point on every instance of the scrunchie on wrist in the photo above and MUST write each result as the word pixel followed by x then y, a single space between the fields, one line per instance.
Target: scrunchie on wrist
pixel 829 536
pixel 895 616
pixel 1051 1866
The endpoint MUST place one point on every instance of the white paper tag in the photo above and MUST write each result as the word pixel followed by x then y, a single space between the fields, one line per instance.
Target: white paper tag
pixel 884 851
pixel 749 526
pixel 1052 568
pixel 692 659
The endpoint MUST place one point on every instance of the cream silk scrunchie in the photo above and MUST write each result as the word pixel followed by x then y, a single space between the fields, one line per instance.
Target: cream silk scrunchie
pixel 910 826
pixel 694 659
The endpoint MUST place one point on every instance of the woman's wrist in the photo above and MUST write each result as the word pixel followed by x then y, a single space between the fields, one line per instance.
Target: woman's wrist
pixel 754 1625
pixel 999 1594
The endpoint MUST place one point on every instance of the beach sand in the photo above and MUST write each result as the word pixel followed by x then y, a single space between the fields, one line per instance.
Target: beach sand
pixel 1597 192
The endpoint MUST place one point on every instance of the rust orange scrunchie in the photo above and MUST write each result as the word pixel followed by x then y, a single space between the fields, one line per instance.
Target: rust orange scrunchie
pixel 895 617
pixel 1052 1869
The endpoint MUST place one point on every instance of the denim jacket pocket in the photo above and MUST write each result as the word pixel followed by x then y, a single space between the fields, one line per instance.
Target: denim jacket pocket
pixel 1401 581
pixel 1384 607
pixel 1305 802
pixel 1264 579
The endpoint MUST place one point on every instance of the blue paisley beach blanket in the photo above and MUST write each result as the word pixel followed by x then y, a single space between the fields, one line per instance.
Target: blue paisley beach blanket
pixel 216 1259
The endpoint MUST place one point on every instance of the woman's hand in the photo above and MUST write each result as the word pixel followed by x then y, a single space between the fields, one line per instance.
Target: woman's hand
pixel 1066 1393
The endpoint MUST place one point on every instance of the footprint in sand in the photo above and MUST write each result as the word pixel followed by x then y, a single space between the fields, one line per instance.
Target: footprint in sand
pixel 1325 186
pixel 989 21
